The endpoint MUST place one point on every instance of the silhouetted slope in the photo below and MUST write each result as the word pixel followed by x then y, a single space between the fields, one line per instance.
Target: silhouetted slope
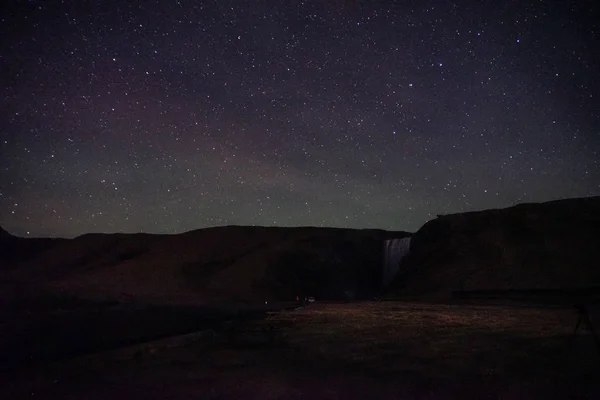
pixel 14 249
pixel 4 234
pixel 547 245
pixel 344 265
pixel 231 263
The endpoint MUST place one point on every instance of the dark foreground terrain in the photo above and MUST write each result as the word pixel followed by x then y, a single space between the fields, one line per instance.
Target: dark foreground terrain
pixel 209 313
pixel 375 350
pixel 50 327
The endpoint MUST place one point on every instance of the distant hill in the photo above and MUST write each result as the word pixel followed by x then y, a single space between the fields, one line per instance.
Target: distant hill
pixel 233 263
pixel 14 249
pixel 547 245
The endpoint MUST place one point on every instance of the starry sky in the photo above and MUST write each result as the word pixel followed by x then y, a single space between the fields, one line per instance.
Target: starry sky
pixel 168 116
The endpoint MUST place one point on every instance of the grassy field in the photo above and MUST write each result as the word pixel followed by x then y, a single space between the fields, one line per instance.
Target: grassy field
pixel 341 351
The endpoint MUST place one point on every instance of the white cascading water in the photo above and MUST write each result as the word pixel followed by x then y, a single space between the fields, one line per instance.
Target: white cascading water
pixel 394 252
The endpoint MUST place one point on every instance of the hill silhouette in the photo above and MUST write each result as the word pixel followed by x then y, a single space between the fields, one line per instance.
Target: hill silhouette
pixel 4 234
pixel 14 249
pixel 528 246
pixel 231 264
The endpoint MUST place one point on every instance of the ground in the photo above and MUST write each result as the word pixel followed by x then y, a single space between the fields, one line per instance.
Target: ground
pixel 375 350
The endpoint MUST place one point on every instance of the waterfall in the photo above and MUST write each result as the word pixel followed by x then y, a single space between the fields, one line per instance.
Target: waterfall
pixel 394 252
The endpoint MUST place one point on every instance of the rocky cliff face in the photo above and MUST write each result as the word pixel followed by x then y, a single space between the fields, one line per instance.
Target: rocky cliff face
pixel 546 245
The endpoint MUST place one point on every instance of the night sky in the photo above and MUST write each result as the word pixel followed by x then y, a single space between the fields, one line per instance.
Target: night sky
pixel 163 117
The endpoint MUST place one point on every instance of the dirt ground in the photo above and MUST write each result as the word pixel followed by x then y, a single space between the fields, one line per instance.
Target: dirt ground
pixel 373 350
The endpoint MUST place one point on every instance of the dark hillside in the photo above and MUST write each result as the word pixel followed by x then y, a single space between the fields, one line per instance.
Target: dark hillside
pixel 14 249
pixel 231 264
pixel 548 245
